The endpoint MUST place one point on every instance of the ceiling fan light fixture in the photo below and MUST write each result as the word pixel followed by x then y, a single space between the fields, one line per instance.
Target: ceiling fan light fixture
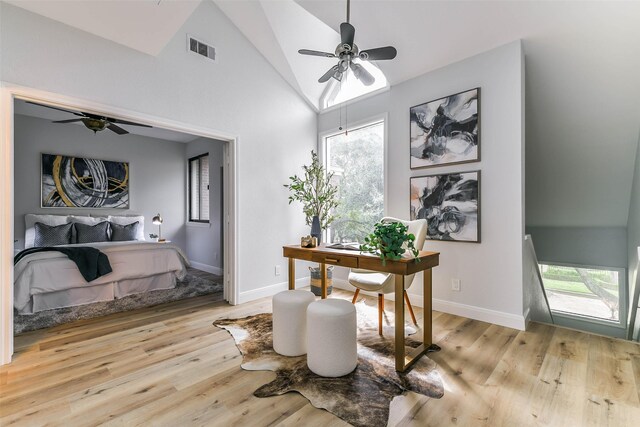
pixel 347 52
pixel 96 125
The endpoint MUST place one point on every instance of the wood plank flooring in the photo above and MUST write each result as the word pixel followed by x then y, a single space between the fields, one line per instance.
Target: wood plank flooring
pixel 168 366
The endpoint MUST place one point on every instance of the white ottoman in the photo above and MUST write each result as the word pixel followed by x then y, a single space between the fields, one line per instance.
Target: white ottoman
pixel 290 322
pixel 332 349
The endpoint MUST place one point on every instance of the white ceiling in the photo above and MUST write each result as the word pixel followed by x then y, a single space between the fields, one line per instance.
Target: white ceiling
pixel 582 63
pixel 39 111
pixel 144 25
pixel 582 90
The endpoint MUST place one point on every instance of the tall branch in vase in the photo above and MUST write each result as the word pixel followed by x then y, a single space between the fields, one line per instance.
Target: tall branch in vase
pixel 316 193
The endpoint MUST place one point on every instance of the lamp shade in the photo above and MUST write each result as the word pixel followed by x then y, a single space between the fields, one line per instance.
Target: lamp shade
pixel 157 220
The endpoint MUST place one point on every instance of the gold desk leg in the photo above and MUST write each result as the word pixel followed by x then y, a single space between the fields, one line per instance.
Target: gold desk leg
pixel 427 319
pixel 323 279
pixel 292 273
pixel 400 350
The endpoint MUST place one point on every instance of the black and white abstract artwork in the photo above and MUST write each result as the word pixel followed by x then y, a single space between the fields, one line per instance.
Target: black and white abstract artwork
pixel 84 183
pixel 446 131
pixel 450 204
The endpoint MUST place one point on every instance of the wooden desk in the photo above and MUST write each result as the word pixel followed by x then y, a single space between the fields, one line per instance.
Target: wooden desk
pixel 400 269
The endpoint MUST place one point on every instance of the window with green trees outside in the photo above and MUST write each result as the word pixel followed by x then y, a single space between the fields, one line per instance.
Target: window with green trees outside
pixel 584 290
pixel 356 158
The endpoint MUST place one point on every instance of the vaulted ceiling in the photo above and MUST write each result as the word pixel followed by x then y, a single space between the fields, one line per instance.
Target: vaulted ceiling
pixel 582 63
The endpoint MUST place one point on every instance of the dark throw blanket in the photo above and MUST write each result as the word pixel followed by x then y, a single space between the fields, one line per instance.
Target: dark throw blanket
pixel 91 262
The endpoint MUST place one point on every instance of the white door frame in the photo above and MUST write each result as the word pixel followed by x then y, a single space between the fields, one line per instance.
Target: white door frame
pixel 8 93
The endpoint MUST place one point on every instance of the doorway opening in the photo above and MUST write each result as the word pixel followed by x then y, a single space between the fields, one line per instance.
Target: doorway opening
pixel 176 225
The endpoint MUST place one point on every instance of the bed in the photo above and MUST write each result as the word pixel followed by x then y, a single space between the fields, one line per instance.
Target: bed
pixel 49 280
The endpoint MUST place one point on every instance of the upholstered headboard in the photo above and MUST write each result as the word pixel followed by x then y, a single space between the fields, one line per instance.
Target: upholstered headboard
pixel 53 220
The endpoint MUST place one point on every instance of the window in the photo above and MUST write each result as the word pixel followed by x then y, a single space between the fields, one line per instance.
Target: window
pixel 357 161
pixel 199 188
pixel 591 293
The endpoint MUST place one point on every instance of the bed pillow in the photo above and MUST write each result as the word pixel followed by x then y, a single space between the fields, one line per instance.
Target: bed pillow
pixel 52 235
pixel 30 221
pixel 82 220
pixel 123 233
pixel 126 220
pixel 89 220
pixel 92 233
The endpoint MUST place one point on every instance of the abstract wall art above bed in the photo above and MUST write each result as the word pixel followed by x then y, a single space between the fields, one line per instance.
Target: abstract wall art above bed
pixel 450 204
pixel 445 131
pixel 84 183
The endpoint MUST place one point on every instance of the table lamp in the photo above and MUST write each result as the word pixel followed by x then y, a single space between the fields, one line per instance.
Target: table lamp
pixel 157 220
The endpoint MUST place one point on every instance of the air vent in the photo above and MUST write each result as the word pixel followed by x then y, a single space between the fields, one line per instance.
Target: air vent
pixel 200 48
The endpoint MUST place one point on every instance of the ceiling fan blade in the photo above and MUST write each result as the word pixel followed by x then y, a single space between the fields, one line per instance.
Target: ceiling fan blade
pixel 379 53
pixel 326 76
pixel 347 33
pixel 67 121
pixel 124 122
pixel 316 53
pixel 54 108
pixel 362 74
pixel 117 129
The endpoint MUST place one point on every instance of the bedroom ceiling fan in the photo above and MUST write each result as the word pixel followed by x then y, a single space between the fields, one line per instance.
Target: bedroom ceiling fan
pixel 347 51
pixel 94 122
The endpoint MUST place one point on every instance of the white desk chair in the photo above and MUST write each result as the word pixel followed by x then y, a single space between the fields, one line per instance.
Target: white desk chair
pixel 383 283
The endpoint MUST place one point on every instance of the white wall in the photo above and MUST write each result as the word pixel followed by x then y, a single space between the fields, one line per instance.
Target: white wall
pixel 204 241
pixel 633 240
pixel 157 179
pixel 492 271
pixel 597 246
pixel 240 94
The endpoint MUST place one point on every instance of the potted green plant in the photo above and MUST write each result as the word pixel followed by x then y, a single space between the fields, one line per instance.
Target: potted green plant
pixel 316 193
pixel 390 240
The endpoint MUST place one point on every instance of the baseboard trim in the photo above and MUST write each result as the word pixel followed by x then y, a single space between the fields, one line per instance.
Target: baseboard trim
pixel 478 313
pixel 208 268
pixel 472 312
pixel 270 290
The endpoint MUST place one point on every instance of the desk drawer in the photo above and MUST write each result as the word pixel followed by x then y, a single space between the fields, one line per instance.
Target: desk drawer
pixel 341 260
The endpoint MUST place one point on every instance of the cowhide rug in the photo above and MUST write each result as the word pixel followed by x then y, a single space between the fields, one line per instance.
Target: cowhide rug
pixel 361 398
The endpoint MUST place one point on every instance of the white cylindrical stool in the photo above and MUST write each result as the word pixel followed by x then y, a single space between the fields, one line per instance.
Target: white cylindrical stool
pixel 332 348
pixel 290 322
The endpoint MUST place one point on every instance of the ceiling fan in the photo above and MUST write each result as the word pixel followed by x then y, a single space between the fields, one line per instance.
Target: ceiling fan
pixel 347 51
pixel 94 122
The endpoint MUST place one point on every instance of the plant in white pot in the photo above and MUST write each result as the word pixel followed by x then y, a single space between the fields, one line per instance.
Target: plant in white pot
pixel 316 193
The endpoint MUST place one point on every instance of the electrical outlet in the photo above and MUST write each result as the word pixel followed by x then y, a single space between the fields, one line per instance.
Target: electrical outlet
pixel 455 285
pixel 277 270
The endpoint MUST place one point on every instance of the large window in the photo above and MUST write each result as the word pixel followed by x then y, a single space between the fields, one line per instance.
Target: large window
pixel 199 188
pixel 357 161
pixel 585 291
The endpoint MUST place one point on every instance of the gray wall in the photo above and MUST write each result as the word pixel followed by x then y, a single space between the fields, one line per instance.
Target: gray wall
pixel 597 246
pixel 240 94
pixel 157 172
pixel 204 241
pixel 633 240
pixel 491 272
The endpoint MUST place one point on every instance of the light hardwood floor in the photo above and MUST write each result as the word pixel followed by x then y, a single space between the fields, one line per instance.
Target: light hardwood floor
pixel 168 366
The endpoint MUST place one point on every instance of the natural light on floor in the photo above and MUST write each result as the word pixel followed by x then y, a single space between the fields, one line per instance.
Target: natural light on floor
pixel 582 291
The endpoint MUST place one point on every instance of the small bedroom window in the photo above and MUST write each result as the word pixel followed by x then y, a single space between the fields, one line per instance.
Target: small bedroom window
pixel 199 188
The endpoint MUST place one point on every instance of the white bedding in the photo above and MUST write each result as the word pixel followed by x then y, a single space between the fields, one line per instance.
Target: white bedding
pixel 48 272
